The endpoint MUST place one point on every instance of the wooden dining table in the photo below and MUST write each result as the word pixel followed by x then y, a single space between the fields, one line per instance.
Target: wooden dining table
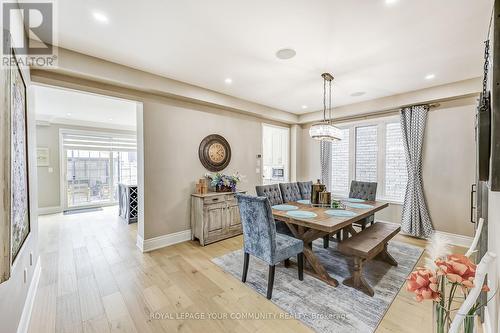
pixel 310 229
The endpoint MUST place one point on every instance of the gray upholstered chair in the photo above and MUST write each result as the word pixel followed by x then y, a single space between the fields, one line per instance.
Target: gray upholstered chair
pixel 365 191
pixel 305 189
pixel 290 192
pixel 261 240
pixel 273 193
pixel 358 190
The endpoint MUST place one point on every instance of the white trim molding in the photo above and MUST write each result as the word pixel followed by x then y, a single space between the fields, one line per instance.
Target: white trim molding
pixel 49 210
pixel 24 322
pixel 455 239
pixel 146 245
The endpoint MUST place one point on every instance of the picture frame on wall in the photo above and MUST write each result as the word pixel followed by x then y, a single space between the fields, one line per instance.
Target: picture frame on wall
pixel 19 182
pixel 42 156
pixel 5 184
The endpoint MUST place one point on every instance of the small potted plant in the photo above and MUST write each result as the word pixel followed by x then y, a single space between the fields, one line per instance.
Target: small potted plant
pixel 222 182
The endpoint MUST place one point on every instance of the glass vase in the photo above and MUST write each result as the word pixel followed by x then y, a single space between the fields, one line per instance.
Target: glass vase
pixel 442 318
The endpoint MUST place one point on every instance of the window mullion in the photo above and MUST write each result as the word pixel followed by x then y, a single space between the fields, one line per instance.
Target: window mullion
pixel 352 154
pixel 381 132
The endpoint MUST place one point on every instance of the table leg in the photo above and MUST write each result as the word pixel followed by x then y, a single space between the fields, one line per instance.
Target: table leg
pixel 315 268
pixel 386 257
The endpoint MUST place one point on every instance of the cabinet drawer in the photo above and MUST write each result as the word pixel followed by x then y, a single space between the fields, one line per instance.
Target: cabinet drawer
pixel 232 201
pixel 214 199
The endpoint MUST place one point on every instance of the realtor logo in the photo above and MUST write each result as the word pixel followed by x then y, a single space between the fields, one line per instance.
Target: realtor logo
pixel 33 45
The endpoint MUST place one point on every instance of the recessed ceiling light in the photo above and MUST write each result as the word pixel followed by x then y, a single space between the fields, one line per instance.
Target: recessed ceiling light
pixel 110 119
pixel 100 17
pixel 304 106
pixel 228 80
pixel 390 2
pixel 286 54
pixel 358 93
pixel 430 76
pixel 68 114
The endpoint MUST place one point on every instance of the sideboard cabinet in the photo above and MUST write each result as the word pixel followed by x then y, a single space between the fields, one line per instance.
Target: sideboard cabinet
pixel 214 216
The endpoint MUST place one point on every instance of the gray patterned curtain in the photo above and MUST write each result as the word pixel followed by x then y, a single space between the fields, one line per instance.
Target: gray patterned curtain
pixel 326 163
pixel 415 218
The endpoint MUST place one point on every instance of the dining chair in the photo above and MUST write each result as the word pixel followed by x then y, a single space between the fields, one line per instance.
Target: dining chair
pixel 358 190
pixel 365 191
pixel 305 189
pixel 261 240
pixel 290 192
pixel 273 193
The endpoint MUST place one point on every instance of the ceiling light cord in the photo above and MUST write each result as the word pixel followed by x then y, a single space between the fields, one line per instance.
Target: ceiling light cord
pixel 324 100
pixel 330 103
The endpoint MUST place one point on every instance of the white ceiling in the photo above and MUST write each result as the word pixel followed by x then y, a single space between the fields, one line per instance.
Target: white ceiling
pixel 79 108
pixel 368 46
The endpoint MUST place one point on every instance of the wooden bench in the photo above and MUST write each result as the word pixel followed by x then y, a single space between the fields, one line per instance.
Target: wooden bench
pixel 370 243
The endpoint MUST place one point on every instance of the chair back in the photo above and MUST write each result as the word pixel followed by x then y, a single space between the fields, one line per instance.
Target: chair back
pixel 290 192
pixel 363 190
pixel 305 189
pixel 259 230
pixel 272 192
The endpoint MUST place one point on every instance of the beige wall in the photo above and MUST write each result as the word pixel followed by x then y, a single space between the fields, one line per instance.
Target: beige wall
pixel 49 182
pixel 172 134
pixel 448 166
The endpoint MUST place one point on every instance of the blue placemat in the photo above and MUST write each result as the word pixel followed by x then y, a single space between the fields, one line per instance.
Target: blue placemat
pixel 302 214
pixel 285 207
pixel 340 213
pixel 354 200
pixel 358 205
pixel 304 202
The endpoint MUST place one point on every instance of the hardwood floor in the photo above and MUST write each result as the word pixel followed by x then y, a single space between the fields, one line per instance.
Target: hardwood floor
pixel 94 279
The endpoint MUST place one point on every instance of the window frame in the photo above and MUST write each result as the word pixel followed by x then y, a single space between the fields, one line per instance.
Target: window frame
pixel 381 124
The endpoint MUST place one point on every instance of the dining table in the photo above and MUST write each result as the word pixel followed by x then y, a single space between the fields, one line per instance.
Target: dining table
pixel 320 224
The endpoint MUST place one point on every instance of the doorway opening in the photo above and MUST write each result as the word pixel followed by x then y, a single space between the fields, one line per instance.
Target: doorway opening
pixel 89 155
pixel 276 152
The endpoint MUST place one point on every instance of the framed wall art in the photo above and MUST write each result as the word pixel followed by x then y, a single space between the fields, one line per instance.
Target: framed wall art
pixel 19 182
pixel 5 193
pixel 42 156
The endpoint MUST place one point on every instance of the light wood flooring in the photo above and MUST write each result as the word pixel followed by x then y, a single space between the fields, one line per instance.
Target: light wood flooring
pixel 94 279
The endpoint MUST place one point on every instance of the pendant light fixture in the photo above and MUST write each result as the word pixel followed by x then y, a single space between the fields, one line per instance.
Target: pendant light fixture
pixel 324 130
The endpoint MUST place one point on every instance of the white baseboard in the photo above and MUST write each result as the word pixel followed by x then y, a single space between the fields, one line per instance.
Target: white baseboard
pixel 49 210
pixel 455 239
pixel 24 322
pixel 146 245
pixel 140 243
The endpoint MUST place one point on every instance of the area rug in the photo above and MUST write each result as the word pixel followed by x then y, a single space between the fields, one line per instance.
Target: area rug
pixel 325 308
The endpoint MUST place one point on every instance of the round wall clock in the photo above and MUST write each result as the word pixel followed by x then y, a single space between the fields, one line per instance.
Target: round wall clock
pixel 214 153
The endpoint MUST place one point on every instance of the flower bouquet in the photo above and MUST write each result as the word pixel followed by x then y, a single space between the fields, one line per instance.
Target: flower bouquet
pixel 222 182
pixel 447 284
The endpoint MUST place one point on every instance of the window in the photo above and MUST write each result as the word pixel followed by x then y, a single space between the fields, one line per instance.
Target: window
pixel 94 164
pixel 340 165
pixel 395 163
pixel 371 152
pixel 366 154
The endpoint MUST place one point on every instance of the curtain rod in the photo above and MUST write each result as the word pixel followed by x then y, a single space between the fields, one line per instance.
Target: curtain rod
pixel 378 114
